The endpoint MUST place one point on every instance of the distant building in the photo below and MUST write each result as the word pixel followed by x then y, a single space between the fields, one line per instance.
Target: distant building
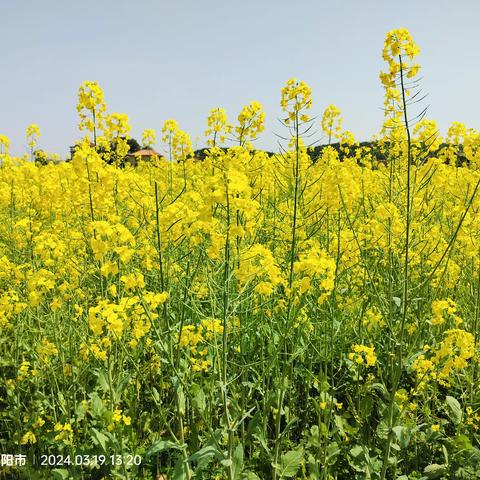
pixel 144 155
pixel 135 155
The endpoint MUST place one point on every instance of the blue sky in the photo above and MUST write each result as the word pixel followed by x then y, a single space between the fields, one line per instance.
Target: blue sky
pixel 178 59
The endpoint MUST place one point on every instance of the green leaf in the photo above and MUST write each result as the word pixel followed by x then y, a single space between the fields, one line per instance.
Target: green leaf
pixel 155 394
pixel 258 435
pixel 102 380
pixel 100 439
pixel 180 470
pixel 250 476
pixel 454 410
pixel 383 429
pixel 290 463
pixel 403 435
pixel 359 459
pixel 314 437
pixel 199 401
pixel 313 467
pixel 380 387
pixel 181 400
pixel 462 442
pixel 61 402
pixel 237 462
pixel 356 451
pixel 434 471
pixel 121 386
pixel 205 455
pixel 445 454
pixel 333 450
pixel 366 406
pixel 341 424
pixel 160 446
pixel 60 474
pixel 97 405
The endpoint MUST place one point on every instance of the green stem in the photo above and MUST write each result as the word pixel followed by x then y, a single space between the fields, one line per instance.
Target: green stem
pixel 399 363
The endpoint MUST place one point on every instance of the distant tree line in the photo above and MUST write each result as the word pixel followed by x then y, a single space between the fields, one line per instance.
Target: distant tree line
pixel 378 150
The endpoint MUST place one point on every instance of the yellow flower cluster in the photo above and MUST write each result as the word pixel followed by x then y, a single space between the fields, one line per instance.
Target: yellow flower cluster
pixel 198 339
pixel 373 319
pixel 117 125
pixel 148 138
pixel 190 336
pixel 46 350
pixel 10 305
pixel 332 123
pixel 108 239
pixel 178 142
pixel 251 122
pixel 361 354
pixel 26 371
pixel 296 98
pixel 401 397
pixel 105 314
pixel 303 320
pixel 218 127
pixel 133 280
pixel 399 44
pixel 118 417
pixel 91 106
pixel 399 51
pixel 314 266
pixel 257 264
pixel 29 437
pixel 64 433
pixel 453 353
pixel 4 145
pixel 473 418
pixel 97 349
pixel 442 307
pixel 426 138
pixel 131 313
pixel 451 356
pixel 32 134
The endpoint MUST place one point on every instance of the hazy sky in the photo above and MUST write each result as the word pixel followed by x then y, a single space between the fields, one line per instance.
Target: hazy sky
pixel 158 59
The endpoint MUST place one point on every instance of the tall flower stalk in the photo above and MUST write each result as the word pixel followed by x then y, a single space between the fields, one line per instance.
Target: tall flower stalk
pixel 399 52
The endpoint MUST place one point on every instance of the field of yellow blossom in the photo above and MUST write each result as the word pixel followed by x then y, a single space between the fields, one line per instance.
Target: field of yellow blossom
pixel 245 316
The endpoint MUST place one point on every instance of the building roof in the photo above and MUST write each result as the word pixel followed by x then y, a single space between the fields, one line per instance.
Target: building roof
pixel 145 152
